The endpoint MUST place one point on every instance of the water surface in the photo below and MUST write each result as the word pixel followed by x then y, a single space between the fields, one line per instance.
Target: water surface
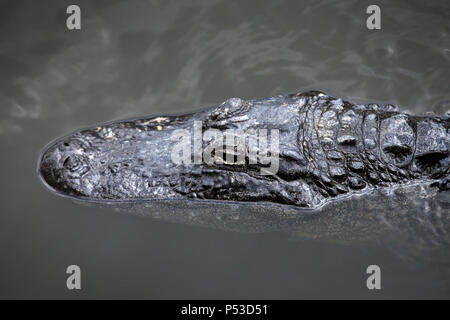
pixel 139 58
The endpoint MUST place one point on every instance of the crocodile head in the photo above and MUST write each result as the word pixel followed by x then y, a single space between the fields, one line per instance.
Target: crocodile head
pixel 300 149
pixel 229 152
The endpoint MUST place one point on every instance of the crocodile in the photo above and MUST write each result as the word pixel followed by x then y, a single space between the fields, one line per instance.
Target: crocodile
pixel 337 170
pixel 327 149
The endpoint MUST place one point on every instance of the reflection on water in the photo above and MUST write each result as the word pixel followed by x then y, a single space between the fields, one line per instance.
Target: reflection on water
pixel 411 218
pixel 141 58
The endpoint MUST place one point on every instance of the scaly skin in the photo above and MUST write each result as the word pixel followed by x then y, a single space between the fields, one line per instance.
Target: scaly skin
pixel 328 149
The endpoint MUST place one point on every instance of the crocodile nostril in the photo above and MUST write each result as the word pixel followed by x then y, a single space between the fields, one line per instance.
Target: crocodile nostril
pixel 66 162
pixel 75 165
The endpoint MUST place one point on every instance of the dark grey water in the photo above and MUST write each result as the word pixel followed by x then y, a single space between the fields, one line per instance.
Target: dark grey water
pixel 139 58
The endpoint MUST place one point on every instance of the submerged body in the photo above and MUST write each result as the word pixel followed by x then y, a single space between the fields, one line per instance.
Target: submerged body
pixel 328 149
